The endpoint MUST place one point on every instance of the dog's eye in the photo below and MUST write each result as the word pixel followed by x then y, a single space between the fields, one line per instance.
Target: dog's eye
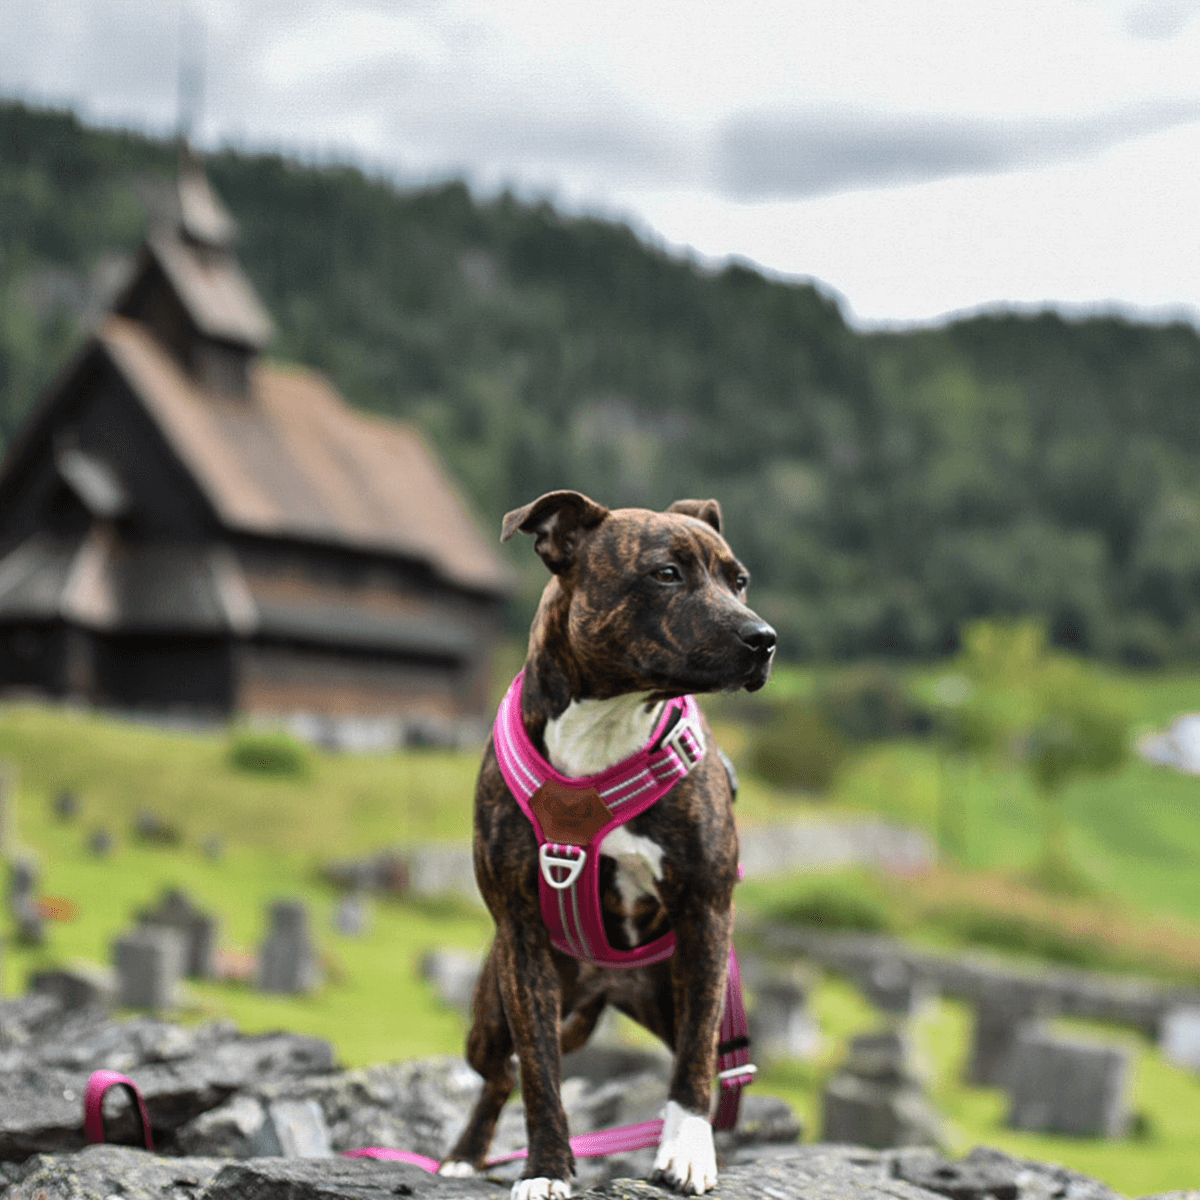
pixel 667 574
pixel 741 582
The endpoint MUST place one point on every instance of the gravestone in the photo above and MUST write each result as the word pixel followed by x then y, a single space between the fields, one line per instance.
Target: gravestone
pixel 149 962
pixel 877 1098
pixel 213 847
pixel 1179 1037
pixel 8 804
pixel 893 987
pixel 453 974
pixel 780 1023
pixel 66 805
pixel 151 828
pixel 352 917
pixel 198 929
pixel 23 904
pixel 1068 1086
pixel 80 985
pixel 288 960
pixel 100 842
pixel 1002 1012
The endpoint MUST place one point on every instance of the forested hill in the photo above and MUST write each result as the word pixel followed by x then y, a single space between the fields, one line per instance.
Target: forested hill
pixel 882 488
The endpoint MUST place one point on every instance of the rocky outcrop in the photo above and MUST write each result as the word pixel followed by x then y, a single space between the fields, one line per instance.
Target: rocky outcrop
pixel 265 1117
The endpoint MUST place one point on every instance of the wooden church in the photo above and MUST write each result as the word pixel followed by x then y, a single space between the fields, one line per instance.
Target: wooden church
pixel 186 528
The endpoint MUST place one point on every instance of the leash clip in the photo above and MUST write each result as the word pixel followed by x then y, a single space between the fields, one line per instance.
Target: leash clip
pixel 737 1076
pixel 687 742
pixel 555 857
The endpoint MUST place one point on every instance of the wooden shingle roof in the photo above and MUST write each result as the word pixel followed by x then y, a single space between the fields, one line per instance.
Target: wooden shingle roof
pixel 292 459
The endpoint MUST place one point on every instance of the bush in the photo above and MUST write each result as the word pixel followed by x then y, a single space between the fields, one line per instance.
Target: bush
pixel 274 754
pixel 799 750
pixel 1023 935
pixel 872 704
pixel 843 904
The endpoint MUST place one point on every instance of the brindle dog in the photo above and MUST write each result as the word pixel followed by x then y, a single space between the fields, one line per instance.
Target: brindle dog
pixel 641 607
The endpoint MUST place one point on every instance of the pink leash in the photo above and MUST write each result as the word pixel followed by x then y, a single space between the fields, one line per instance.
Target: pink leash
pixel 98 1086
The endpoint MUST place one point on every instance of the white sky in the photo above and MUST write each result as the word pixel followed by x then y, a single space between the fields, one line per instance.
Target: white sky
pixel 918 157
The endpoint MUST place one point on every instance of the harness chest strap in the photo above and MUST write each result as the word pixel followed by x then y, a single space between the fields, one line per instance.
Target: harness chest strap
pixel 572 816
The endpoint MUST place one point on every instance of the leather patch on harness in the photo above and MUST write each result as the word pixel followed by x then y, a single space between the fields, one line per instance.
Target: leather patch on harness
pixel 570 816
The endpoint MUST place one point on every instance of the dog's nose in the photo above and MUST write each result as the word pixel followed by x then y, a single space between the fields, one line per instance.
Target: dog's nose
pixel 759 636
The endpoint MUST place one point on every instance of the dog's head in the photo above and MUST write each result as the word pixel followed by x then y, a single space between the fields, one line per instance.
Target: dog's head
pixel 646 601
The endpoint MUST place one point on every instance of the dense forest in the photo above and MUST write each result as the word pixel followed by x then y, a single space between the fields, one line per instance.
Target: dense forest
pixel 883 488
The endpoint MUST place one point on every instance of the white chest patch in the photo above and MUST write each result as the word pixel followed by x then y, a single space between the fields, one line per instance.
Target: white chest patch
pixel 593 735
pixel 590 737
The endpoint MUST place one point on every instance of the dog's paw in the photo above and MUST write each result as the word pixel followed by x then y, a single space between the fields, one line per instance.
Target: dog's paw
pixel 454 1169
pixel 541 1189
pixel 686 1160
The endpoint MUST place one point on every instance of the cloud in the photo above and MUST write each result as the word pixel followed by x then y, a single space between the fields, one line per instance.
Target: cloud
pixel 780 156
pixel 1160 20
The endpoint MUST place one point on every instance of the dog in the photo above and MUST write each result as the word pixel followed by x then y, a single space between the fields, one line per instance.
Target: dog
pixel 641 608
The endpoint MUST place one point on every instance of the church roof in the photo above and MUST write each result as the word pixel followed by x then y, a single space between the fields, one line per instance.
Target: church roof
pixel 291 458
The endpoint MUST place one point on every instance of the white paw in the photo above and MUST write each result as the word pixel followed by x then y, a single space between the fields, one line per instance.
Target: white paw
pixel 541 1189
pixel 456 1170
pixel 687 1160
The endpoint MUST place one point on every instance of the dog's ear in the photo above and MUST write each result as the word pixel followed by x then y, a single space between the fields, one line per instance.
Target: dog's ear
pixel 708 511
pixel 558 520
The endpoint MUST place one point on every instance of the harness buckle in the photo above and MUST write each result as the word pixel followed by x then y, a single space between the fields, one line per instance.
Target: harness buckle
pixel 555 857
pixel 688 753
pixel 737 1076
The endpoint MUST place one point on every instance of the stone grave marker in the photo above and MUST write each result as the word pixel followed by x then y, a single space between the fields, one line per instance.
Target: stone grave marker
pixel 66 805
pixel 1179 1037
pixel 893 987
pixel 198 928
pixel 23 904
pixel 149 962
pixel 877 1097
pixel 1066 1085
pixel 1001 1013
pixel 8 804
pixel 453 974
pixel 288 960
pixel 100 842
pixel 352 917
pixel 780 1023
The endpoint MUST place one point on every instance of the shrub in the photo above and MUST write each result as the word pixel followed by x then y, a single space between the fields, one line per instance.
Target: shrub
pixel 872 704
pixel 844 904
pixel 799 750
pixel 274 754
pixel 1023 935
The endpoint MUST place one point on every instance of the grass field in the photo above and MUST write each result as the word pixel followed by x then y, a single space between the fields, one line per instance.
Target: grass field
pixel 1137 834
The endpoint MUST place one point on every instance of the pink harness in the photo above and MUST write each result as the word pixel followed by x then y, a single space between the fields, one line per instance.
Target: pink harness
pixel 569 878
pixel 569 874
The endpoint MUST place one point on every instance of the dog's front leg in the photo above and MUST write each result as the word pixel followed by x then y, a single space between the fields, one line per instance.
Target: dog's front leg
pixel 531 990
pixel 687 1159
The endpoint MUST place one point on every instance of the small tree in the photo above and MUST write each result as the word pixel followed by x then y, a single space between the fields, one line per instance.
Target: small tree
pixel 1076 736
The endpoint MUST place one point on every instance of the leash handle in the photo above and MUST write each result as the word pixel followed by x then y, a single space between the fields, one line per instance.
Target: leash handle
pixel 99 1084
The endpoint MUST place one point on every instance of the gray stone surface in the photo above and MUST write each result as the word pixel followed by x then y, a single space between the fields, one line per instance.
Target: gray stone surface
pixel 149 962
pixel 101 1172
pixel 287 961
pixel 1069 1086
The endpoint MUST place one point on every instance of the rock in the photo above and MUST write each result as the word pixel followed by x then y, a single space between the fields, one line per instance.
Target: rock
pixel 1179 1037
pixel 80 985
pixel 338 1179
pixel 100 1172
pixel 352 918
